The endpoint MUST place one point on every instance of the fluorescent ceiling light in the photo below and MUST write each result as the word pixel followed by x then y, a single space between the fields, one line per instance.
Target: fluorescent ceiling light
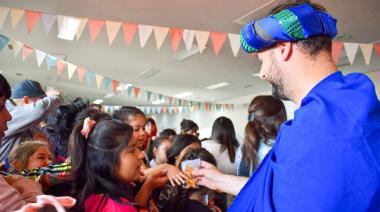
pixel 218 85
pixel 121 87
pixel 183 95
pixel 108 95
pixel 98 101
pixel 158 102
pixel 184 54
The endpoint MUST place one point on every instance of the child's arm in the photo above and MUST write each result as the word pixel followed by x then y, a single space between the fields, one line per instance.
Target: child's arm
pixel 153 181
pixel 173 173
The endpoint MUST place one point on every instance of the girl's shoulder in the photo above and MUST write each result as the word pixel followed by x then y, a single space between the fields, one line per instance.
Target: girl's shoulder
pixel 94 201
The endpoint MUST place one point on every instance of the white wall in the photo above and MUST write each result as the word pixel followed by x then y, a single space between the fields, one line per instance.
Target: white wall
pixel 205 120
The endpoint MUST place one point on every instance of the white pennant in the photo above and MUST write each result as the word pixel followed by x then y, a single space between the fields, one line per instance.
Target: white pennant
pixel 367 51
pixel 144 32
pixel 160 34
pixel 17 45
pixel 40 57
pixel 99 79
pixel 48 21
pixel 188 38
pixel 83 23
pixel 71 70
pixel 148 109
pixel 68 27
pixel 235 43
pixel 159 109
pixel 351 49
pixel 3 15
pixel 180 109
pixel 112 30
pixel 202 38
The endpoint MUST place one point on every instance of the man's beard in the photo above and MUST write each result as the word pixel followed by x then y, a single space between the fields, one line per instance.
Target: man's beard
pixel 277 82
pixel 278 91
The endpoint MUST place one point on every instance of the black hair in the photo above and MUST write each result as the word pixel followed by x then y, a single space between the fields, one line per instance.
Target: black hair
pixel 187 125
pixel 5 88
pixel 124 112
pixel 180 142
pixel 167 133
pixel 93 114
pixel 156 144
pixel 95 161
pixel 223 132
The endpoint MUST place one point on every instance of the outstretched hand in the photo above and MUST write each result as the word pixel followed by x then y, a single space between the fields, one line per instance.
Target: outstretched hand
pixel 208 175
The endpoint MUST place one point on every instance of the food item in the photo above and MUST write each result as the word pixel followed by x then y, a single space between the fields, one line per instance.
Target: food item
pixel 188 167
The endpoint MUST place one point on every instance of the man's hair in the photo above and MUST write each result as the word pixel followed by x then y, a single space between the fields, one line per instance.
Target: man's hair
pixel 314 45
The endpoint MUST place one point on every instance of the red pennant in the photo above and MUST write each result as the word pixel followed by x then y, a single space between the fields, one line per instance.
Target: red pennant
pixel 165 109
pixel 170 99
pixel 336 50
pixel 60 66
pixel 377 49
pixel 81 73
pixel 31 19
pixel 206 106
pixel 130 30
pixel 115 84
pixel 26 51
pixel 175 37
pixel 217 39
pixel 95 27
pixel 136 91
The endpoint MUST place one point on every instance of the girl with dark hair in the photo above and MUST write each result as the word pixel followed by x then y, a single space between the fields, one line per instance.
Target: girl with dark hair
pixel 180 144
pixel 151 135
pixel 105 162
pixel 265 115
pixel 160 147
pixel 169 133
pixel 223 144
pixel 189 127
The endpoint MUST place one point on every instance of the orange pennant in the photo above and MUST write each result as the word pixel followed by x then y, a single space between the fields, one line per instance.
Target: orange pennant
pixel 377 49
pixel 60 66
pixel 335 50
pixel 170 99
pixel 115 84
pixel 206 106
pixel 31 19
pixel 95 27
pixel 136 91
pixel 217 39
pixel 26 51
pixel 81 73
pixel 175 37
pixel 130 30
pixel 165 109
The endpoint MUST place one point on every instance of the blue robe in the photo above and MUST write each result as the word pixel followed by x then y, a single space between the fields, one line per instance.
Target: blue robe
pixel 327 158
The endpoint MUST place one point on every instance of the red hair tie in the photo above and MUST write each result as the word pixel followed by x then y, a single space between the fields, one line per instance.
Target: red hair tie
pixel 87 127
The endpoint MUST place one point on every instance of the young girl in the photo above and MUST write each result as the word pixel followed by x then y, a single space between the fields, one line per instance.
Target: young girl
pixel 160 148
pixel 180 144
pixel 105 162
pixel 30 155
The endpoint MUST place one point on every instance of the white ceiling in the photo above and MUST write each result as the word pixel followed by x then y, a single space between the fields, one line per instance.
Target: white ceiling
pixel 358 19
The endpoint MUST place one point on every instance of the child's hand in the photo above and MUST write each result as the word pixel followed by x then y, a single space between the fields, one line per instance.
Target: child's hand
pixel 175 175
pixel 157 180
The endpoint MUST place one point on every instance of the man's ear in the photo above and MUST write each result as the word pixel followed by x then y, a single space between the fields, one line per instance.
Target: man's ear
pixel 285 50
pixel 26 100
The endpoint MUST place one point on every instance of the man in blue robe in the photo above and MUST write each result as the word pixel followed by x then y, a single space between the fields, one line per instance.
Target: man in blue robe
pixel 328 157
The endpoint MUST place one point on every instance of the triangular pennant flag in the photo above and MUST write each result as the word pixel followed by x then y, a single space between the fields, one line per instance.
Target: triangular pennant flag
pixel 112 30
pixel 60 66
pixel 3 41
pixel 148 110
pixel 136 91
pixel 175 37
pixel 26 51
pixel 48 21
pixel 235 43
pixel 336 50
pixel 70 70
pixel 180 109
pixel 16 47
pixel 82 25
pixel 95 26
pixel 160 96
pixel 170 98
pixel 68 27
pixel 148 95
pixel 175 109
pixel 160 34
pixel 16 15
pixel 129 30
pixel 202 38
pixel 159 110
pixel 107 82
pixel 188 38
pixel 90 77
pixel 81 73
pixel 217 39
pixel 99 78
pixel 367 51
pixel 351 49
pixel 3 15
pixel 31 19
pixel 129 90
pixel 180 102
pixel 206 106
pixel 144 32
pixel 51 62
pixel 377 49
pixel 115 84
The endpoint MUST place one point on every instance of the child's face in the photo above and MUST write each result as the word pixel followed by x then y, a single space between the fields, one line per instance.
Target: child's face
pixel 4 117
pixel 40 158
pixel 138 124
pixel 130 163
pixel 194 145
pixel 160 152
